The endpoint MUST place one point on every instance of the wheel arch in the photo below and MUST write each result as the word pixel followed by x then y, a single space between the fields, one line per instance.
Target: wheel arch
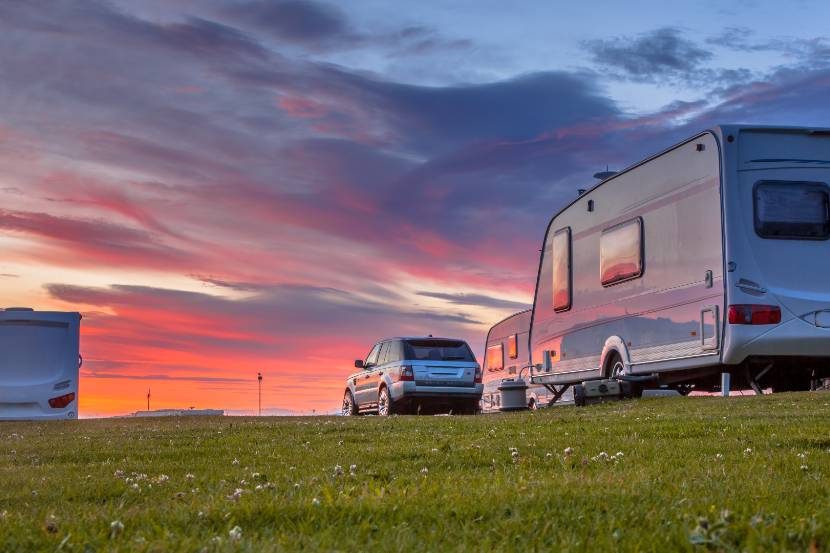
pixel 614 346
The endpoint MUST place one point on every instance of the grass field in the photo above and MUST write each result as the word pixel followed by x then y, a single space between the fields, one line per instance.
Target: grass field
pixel 691 474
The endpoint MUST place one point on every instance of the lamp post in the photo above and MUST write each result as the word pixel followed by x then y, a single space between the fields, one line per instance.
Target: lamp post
pixel 148 399
pixel 259 380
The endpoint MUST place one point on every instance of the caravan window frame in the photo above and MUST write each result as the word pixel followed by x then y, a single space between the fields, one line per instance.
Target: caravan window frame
pixel 513 346
pixel 641 268
pixel 810 185
pixel 569 278
pixel 489 366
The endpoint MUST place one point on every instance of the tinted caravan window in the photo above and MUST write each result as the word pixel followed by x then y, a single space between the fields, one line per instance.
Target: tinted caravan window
pixel 792 210
pixel 513 346
pixel 495 358
pixel 439 350
pixel 621 252
pixel 562 270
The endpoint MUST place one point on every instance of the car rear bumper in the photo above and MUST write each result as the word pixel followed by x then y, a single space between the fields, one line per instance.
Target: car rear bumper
pixel 404 390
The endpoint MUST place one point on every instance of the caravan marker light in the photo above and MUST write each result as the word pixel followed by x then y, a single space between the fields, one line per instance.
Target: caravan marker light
pixel 750 314
pixel 61 401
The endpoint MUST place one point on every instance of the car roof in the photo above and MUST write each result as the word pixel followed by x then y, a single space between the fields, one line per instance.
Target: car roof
pixel 420 338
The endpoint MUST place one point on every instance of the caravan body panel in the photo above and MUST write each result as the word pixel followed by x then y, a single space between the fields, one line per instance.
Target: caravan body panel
pixel 670 309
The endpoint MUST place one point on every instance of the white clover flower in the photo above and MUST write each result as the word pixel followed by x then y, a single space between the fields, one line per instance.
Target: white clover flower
pixel 237 493
pixel 569 451
pixel 718 456
pixel 338 470
pixel 118 473
pixel 235 533
pixel 352 469
pixel 116 527
pixel 748 451
pixel 802 455
pixel 620 454
pixel 258 487
pixel 162 478
pixel 548 454
pixel 136 487
pixel 424 470
pixel 189 476
pixel 804 467
pixel 434 450
pixel 315 501
pixel 235 462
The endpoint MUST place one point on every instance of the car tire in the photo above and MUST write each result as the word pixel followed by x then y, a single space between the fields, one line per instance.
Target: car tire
pixel 349 406
pixel 386 406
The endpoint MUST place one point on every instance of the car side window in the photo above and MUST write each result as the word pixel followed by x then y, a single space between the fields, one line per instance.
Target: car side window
pixel 372 358
pixel 395 352
pixel 383 356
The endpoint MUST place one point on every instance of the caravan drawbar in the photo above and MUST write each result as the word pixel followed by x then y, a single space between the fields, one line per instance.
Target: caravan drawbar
pixel 709 257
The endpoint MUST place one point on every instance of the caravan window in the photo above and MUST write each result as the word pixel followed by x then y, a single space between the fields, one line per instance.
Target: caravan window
pixel 792 210
pixel 562 269
pixel 495 358
pixel 513 346
pixel 621 252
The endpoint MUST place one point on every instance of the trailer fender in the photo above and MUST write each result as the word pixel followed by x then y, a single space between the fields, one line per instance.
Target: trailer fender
pixel 614 344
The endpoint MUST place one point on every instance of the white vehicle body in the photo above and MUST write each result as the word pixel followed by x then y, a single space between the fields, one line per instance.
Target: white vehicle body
pixel 39 364
pixel 507 358
pixel 652 264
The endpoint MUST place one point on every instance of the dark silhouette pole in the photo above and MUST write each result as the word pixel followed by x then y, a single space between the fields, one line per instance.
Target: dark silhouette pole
pixel 259 380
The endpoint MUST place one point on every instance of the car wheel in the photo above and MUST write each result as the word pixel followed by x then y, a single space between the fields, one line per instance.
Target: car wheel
pixel 349 406
pixel 385 405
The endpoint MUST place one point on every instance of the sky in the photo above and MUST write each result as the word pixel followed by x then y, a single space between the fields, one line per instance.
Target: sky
pixel 229 187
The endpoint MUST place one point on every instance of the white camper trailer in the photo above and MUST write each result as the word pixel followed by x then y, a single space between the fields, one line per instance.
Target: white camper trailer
pixel 507 359
pixel 712 256
pixel 39 364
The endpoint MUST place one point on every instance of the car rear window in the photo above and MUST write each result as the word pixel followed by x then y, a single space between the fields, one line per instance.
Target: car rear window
pixel 792 210
pixel 439 350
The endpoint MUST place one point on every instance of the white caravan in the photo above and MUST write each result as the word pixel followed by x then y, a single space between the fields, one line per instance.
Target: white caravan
pixel 712 256
pixel 507 358
pixel 39 364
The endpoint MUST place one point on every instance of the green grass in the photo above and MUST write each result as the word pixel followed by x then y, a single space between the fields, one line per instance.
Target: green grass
pixel 686 480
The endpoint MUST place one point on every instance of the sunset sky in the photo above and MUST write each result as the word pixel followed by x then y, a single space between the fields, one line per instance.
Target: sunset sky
pixel 229 187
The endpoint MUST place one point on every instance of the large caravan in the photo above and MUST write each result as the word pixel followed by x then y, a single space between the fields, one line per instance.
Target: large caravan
pixel 712 256
pixel 39 364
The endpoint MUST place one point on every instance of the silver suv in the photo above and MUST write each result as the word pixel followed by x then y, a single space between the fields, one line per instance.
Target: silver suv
pixel 415 375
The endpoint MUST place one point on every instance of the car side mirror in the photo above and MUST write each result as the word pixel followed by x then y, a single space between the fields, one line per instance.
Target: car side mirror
pixel 358 363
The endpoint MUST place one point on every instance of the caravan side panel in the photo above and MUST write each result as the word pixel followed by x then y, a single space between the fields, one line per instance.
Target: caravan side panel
pixel 657 311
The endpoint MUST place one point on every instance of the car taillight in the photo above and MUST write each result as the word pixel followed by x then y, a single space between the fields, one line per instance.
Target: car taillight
pixel 479 374
pixel 406 373
pixel 750 314
pixel 61 401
